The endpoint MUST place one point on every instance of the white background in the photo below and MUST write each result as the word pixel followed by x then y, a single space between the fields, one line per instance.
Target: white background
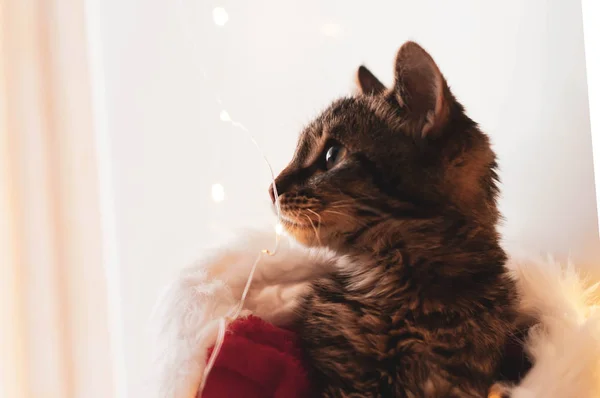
pixel 518 67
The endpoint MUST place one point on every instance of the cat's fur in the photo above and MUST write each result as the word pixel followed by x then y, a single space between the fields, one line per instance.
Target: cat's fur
pixel 423 304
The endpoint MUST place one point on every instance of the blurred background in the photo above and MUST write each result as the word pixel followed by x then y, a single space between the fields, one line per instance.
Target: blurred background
pixel 123 150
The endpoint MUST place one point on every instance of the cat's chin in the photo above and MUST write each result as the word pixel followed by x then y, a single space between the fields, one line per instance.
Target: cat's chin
pixel 304 235
pixel 313 234
pixel 307 235
pixel 308 238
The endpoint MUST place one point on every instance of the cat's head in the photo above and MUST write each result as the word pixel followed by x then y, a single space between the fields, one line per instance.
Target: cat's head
pixel 389 161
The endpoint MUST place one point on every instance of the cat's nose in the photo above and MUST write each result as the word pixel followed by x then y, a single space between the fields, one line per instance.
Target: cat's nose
pixel 272 193
pixel 283 183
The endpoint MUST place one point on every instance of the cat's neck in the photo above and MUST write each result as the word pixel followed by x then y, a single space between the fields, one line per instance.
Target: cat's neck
pixel 443 246
pixel 414 271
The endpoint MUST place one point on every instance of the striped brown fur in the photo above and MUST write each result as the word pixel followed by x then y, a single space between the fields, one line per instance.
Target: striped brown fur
pixel 421 304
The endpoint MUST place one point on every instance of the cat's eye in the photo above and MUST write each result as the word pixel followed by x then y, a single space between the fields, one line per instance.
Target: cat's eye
pixel 334 154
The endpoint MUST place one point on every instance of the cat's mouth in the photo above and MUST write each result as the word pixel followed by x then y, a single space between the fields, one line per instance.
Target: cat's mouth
pixel 305 229
pixel 290 221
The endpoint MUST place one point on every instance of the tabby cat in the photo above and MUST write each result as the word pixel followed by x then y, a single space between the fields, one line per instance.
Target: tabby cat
pixel 403 185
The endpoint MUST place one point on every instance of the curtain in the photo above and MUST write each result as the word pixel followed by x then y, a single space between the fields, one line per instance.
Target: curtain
pixel 55 335
pixel 591 30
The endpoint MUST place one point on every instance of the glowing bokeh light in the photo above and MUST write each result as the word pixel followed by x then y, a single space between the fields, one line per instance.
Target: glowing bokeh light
pixel 224 116
pixel 279 229
pixel 218 193
pixel 220 16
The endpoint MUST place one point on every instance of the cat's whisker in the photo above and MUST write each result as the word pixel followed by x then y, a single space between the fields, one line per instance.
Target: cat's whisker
pixel 343 202
pixel 358 221
pixel 353 201
pixel 318 218
pixel 314 229
pixel 336 212
pixel 341 207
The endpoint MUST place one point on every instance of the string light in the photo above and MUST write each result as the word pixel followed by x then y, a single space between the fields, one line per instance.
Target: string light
pixel 224 116
pixel 235 312
pixel 279 229
pixel 220 16
pixel 218 193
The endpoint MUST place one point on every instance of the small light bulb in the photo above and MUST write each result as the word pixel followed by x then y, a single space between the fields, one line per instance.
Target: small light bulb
pixel 224 116
pixel 220 16
pixel 218 193
pixel 279 229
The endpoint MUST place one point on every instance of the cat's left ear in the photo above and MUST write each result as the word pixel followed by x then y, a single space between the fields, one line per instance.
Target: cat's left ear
pixel 421 90
pixel 367 82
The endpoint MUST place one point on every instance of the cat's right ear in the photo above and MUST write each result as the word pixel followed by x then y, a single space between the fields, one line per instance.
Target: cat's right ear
pixel 421 90
pixel 367 82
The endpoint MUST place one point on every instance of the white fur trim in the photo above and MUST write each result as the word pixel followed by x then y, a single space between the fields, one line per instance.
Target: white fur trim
pixel 186 316
pixel 565 346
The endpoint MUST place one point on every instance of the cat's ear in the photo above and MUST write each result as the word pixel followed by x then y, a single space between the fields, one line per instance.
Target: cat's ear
pixel 420 89
pixel 367 82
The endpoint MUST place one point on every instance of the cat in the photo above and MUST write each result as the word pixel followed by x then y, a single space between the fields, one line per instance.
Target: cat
pixel 403 186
